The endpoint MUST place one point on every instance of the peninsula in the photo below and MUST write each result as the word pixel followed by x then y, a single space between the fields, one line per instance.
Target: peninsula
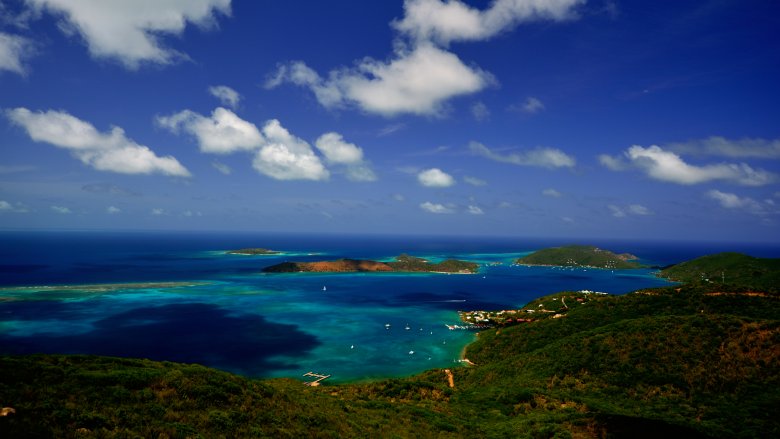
pixel 728 269
pixel 580 256
pixel 402 263
pixel 253 251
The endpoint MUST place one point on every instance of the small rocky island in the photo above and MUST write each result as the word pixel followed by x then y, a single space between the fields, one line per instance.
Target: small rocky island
pixel 402 264
pixel 580 256
pixel 253 251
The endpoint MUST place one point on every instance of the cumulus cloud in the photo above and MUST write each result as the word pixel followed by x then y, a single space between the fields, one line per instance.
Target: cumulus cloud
pixel 226 95
pixel 131 32
pixel 421 76
pixel 722 147
pixel 158 211
pixel 339 152
pixel 287 157
pixel 475 210
pixel 111 151
pixel 277 153
pixel 447 21
pixel 667 166
pixel 552 193
pixel 61 209
pixel 531 105
pixel 111 210
pixel 221 133
pixel 474 181
pixel 14 50
pixel 416 81
pixel 435 177
pixel 480 111
pixel 435 208
pixel 542 157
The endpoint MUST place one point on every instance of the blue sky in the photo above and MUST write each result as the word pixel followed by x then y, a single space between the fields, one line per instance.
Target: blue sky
pixel 535 118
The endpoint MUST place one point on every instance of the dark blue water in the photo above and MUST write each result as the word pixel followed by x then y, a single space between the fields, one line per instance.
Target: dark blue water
pixel 188 301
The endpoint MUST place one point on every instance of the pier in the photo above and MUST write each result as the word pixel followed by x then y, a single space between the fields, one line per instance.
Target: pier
pixel 316 382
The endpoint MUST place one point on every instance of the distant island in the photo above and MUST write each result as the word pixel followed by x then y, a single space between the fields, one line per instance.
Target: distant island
pixel 580 256
pixel 402 263
pixel 729 269
pixel 253 251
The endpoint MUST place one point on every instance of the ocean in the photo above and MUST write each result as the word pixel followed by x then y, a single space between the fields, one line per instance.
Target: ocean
pixel 177 296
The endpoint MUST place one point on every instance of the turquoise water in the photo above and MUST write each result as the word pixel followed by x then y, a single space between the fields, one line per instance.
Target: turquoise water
pixel 183 299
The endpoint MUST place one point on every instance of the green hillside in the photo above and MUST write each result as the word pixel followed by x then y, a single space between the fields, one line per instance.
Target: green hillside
pixel 728 268
pixel 579 256
pixel 685 361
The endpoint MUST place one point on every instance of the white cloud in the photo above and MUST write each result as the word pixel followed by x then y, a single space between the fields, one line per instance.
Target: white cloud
pixel 567 220
pixel 13 52
pixel 435 207
pixel 474 181
pixel 475 210
pixel 221 167
pixel 551 193
pixel 111 151
pixel 390 129
pixel 61 209
pixel 638 209
pixel 113 210
pixel 617 212
pixel 720 146
pixel 158 211
pixel 399 197
pixel 667 166
pixel 447 21
pixel 633 209
pixel 540 156
pixel 286 157
pixel 435 177
pixel 480 111
pixel 729 200
pixel 222 133
pixel 417 82
pixel 531 105
pixel 5 206
pixel 131 31
pixel 226 95
pixel 612 163
pixel 336 150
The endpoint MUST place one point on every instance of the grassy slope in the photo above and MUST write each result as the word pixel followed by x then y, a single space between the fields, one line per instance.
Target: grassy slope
pixel 736 268
pixel 577 255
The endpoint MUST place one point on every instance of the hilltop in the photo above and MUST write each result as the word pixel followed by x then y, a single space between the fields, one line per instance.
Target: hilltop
pixel 580 256
pixel 402 263
pixel 729 269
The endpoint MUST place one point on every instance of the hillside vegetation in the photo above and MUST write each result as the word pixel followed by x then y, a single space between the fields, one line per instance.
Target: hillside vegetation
pixel 728 268
pixel 685 361
pixel 579 256
pixel 402 263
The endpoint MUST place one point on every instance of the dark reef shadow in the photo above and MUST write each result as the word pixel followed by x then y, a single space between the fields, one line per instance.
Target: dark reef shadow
pixel 188 333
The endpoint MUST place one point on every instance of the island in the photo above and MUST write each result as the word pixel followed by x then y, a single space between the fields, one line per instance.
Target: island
pixel 580 256
pixel 727 269
pixel 253 251
pixel 402 263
